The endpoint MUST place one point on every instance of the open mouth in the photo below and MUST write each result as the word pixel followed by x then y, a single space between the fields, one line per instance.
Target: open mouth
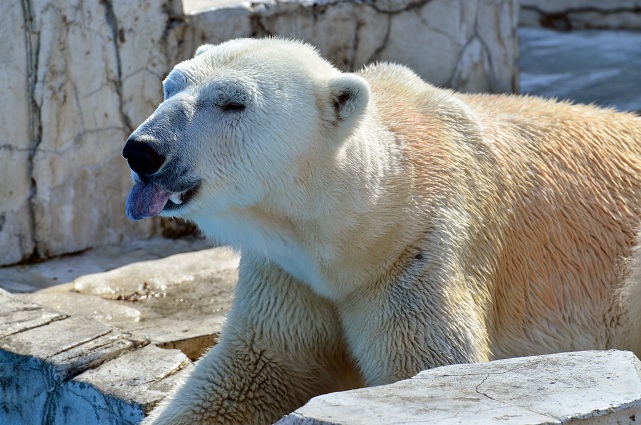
pixel 180 199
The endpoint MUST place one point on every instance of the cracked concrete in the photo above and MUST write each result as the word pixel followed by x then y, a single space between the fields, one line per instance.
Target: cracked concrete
pixel 84 81
pixel 593 387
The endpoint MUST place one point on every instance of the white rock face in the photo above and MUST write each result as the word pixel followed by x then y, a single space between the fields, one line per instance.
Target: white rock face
pixel 18 134
pixel 93 72
pixel 581 14
pixel 593 387
pixel 83 75
pixel 470 45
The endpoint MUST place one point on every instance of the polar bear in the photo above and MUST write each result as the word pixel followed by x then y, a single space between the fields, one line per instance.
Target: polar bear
pixel 385 226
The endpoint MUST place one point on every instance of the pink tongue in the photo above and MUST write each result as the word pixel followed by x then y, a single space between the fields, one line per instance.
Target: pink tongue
pixel 146 200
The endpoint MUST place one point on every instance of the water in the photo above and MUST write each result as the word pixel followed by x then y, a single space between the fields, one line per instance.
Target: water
pixel 585 66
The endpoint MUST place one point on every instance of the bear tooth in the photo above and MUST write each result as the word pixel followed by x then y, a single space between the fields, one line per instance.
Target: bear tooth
pixel 176 198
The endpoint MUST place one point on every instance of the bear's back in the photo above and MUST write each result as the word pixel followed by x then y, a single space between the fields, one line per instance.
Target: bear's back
pixel 559 210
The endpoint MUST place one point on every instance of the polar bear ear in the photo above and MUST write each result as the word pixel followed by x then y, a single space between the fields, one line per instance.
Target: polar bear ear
pixel 349 96
pixel 202 49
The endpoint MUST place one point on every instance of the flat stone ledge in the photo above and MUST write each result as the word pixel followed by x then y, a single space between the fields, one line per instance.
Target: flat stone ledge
pixel 107 347
pixel 590 387
pixel 57 369
pixel 174 302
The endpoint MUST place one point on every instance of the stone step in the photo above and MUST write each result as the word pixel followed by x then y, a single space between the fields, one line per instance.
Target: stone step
pixel 107 347
pixel 174 302
pixel 589 387
pixel 91 352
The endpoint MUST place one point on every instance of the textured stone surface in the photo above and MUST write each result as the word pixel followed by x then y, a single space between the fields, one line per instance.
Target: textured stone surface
pixel 106 347
pixel 590 387
pixel 16 139
pixel 83 75
pixel 43 351
pixel 467 44
pixel 174 302
pixel 60 270
pixel 581 14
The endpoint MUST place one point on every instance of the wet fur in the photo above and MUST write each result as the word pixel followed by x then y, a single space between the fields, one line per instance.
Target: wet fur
pixel 393 227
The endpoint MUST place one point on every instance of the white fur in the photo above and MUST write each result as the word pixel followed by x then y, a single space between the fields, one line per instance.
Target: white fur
pixel 344 279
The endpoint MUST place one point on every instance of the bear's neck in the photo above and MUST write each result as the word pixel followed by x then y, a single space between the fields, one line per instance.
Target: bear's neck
pixel 340 230
pixel 367 222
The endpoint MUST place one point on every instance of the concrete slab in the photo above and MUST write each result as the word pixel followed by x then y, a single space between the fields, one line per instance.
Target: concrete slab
pixel 590 387
pixel 107 347
pixel 61 270
pixel 175 302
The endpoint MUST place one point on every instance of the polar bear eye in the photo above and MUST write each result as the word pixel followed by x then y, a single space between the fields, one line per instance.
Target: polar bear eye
pixel 233 107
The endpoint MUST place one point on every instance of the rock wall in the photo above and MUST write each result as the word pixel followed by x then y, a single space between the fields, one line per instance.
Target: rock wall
pixel 586 387
pixel 82 75
pixel 469 45
pixel 581 14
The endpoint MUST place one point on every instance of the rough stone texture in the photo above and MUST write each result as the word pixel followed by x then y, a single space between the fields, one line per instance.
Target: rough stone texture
pixel 581 14
pixel 470 45
pixel 104 349
pixel 590 387
pixel 175 302
pixel 18 128
pixel 40 353
pixel 33 277
pixel 83 75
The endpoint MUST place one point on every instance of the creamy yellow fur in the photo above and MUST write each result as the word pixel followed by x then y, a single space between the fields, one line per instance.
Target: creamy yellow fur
pixel 387 226
pixel 553 196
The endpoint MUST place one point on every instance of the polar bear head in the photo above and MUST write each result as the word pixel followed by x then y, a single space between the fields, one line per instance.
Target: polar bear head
pixel 241 124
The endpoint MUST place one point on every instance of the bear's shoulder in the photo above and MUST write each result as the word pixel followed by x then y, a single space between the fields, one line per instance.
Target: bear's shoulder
pixel 394 79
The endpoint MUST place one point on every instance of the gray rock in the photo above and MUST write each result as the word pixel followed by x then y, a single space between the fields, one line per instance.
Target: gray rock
pixel 61 270
pixel 104 349
pixel 590 387
pixel 175 302
pixel 59 369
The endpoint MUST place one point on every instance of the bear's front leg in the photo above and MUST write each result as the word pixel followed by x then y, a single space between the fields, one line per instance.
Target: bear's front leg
pixel 404 324
pixel 281 345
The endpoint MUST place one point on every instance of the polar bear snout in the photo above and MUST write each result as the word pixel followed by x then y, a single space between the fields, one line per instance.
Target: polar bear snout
pixel 142 158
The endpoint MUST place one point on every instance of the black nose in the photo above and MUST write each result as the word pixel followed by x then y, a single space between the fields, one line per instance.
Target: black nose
pixel 142 158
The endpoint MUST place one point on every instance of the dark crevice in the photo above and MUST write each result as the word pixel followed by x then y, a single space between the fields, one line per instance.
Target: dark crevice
pixel 374 56
pixel 36 325
pixel 116 35
pixel 562 21
pixel 409 7
pixel 257 27
pixel 32 44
